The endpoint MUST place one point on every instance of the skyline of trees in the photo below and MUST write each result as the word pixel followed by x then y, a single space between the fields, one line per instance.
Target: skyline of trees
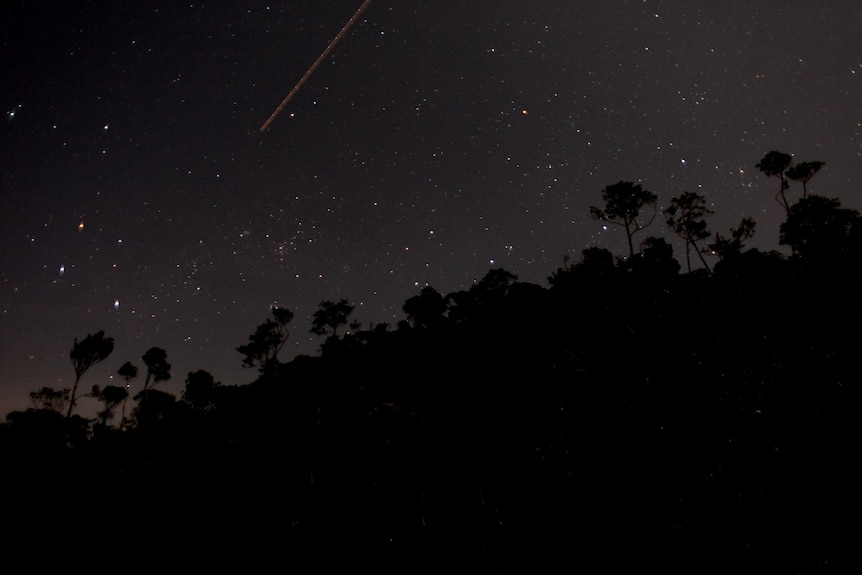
pixel 814 225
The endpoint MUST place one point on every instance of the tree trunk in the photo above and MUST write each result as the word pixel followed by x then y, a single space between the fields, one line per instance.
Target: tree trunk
pixel 72 399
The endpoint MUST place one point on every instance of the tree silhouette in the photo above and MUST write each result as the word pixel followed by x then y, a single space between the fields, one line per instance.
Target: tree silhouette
pixel 158 368
pixel 330 315
pixel 266 341
pixel 685 217
pixel 481 299
pixel 495 283
pixel 200 390
pixel 817 226
pixel 111 396
pixel 128 371
pixel 623 204
pixel 154 407
pixel 595 265
pixel 803 172
pixel 86 353
pixel 725 248
pixel 655 259
pixel 596 261
pixel 426 309
pixel 775 164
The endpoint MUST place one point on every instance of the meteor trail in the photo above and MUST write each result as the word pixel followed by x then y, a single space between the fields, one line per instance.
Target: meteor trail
pixel 317 62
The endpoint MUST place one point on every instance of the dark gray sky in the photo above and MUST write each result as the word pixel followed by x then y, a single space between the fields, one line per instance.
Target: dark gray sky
pixel 438 140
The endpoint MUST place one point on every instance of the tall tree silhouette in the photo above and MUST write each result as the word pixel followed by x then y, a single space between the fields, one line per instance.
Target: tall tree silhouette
pixel 266 341
pixel 623 204
pixel 330 315
pixel 685 217
pixel 803 172
pixel 85 354
pixel 128 371
pixel 158 368
pixel 775 164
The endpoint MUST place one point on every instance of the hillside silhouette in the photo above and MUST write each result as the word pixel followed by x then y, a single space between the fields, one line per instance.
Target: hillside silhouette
pixel 633 413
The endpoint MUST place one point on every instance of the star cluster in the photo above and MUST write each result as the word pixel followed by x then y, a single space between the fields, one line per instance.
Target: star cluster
pixel 437 141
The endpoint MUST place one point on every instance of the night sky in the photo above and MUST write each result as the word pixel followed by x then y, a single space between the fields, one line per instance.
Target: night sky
pixel 439 139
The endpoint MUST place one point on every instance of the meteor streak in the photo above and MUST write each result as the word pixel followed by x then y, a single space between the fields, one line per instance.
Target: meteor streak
pixel 317 62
